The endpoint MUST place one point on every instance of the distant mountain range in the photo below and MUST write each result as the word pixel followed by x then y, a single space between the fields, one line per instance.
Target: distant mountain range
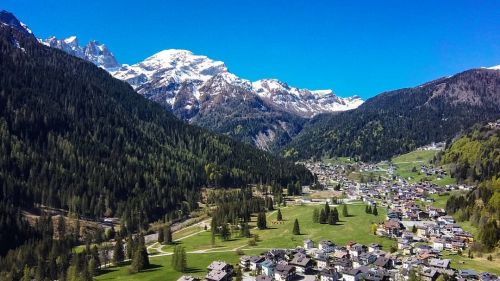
pixel 399 121
pixel 266 113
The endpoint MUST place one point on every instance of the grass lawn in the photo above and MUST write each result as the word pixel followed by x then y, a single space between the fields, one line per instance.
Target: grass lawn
pixel 161 270
pixel 355 227
pixel 477 264
pixel 415 159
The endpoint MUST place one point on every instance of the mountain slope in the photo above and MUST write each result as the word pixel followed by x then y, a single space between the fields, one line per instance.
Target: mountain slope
pixel 402 120
pixel 73 137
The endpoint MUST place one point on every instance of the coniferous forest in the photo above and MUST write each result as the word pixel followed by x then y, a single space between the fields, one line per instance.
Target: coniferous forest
pixel 74 138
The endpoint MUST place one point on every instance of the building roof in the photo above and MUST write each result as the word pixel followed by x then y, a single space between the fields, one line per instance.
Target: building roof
pixel 216 275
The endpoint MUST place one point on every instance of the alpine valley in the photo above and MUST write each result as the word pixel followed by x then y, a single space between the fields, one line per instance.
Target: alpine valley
pixel 173 166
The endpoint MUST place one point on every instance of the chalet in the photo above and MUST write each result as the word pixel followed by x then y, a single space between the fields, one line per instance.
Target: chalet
pixel 326 246
pixel 467 274
pixel 329 274
pixel 342 264
pixel 220 266
pixel 429 274
pixel 383 262
pixel 302 263
pixel 356 249
pixel 486 276
pixel 218 275
pixel 352 275
pixel 374 247
pixel 322 261
pixel 267 268
pixel 245 262
pixel 284 272
pixel 438 244
pixel 255 262
pixel 439 263
pixel 393 228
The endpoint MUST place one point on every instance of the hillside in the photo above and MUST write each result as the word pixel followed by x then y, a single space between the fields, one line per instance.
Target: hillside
pixel 73 137
pixel 475 158
pixel 400 121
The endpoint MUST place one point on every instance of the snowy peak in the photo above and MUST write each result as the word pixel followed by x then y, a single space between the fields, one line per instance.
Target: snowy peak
pixel 496 67
pixel 9 19
pixel 94 51
pixel 303 102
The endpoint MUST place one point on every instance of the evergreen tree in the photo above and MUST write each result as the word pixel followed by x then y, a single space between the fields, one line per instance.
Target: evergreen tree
pixel 237 273
pixel 335 213
pixel 161 236
pixel 315 215
pixel 374 211
pixel 327 209
pixel 130 246
pixel 225 234
pixel 26 273
pixel 279 217
pixel 322 217
pixel 261 221
pixel 167 235
pixel 345 213
pixel 331 219
pixel 296 228
pixel 369 209
pixel 118 254
pixel 414 229
pixel 138 262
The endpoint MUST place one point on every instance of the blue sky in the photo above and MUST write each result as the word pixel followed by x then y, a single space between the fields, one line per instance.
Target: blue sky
pixel 352 47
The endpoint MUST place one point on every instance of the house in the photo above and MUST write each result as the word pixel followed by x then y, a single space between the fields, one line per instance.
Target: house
pixel 467 274
pixel 393 228
pixel 267 268
pixel 188 278
pixel 374 247
pixel 245 262
pixel 302 263
pixel 366 258
pixel 383 262
pixel 356 249
pixel 322 262
pixel 255 262
pixel 438 244
pixel 352 275
pixel 486 276
pixel 308 244
pixel 326 246
pixel 342 265
pixel 218 275
pixel 284 272
pixel 429 274
pixel 220 266
pixel 439 263
pixel 329 274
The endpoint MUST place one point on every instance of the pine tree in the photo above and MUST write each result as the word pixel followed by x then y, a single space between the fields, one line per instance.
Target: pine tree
pixel 366 209
pixel 369 210
pixel 279 217
pixel 26 273
pixel 161 236
pixel 327 210
pixel 374 211
pixel 296 227
pixel 130 246
pixel 316 215
pixel 335 214
pixel 237 273
pixel 331 219
pixel 118 254
pixel 322 217
pixel 138 262
pixel 167 235
pixel 179 261
pixel 345 213
pixel 61 227
pixel 414 229
pixel 225 234
pixel 261 221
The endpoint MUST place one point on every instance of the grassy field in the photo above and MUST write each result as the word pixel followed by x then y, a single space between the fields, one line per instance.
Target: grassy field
pixel 201 251
pixel 407 162
pixel 478 264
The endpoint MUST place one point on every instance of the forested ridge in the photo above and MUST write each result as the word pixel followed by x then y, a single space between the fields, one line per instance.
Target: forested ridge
pixel 474 158
pixel 400 121
pixel 73 137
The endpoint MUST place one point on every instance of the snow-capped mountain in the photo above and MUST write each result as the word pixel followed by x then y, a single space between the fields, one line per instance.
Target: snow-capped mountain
pixel 94 51
pixel 9 19
pixel 161 76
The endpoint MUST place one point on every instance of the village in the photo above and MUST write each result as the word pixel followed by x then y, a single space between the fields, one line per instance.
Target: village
pixel 422 233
